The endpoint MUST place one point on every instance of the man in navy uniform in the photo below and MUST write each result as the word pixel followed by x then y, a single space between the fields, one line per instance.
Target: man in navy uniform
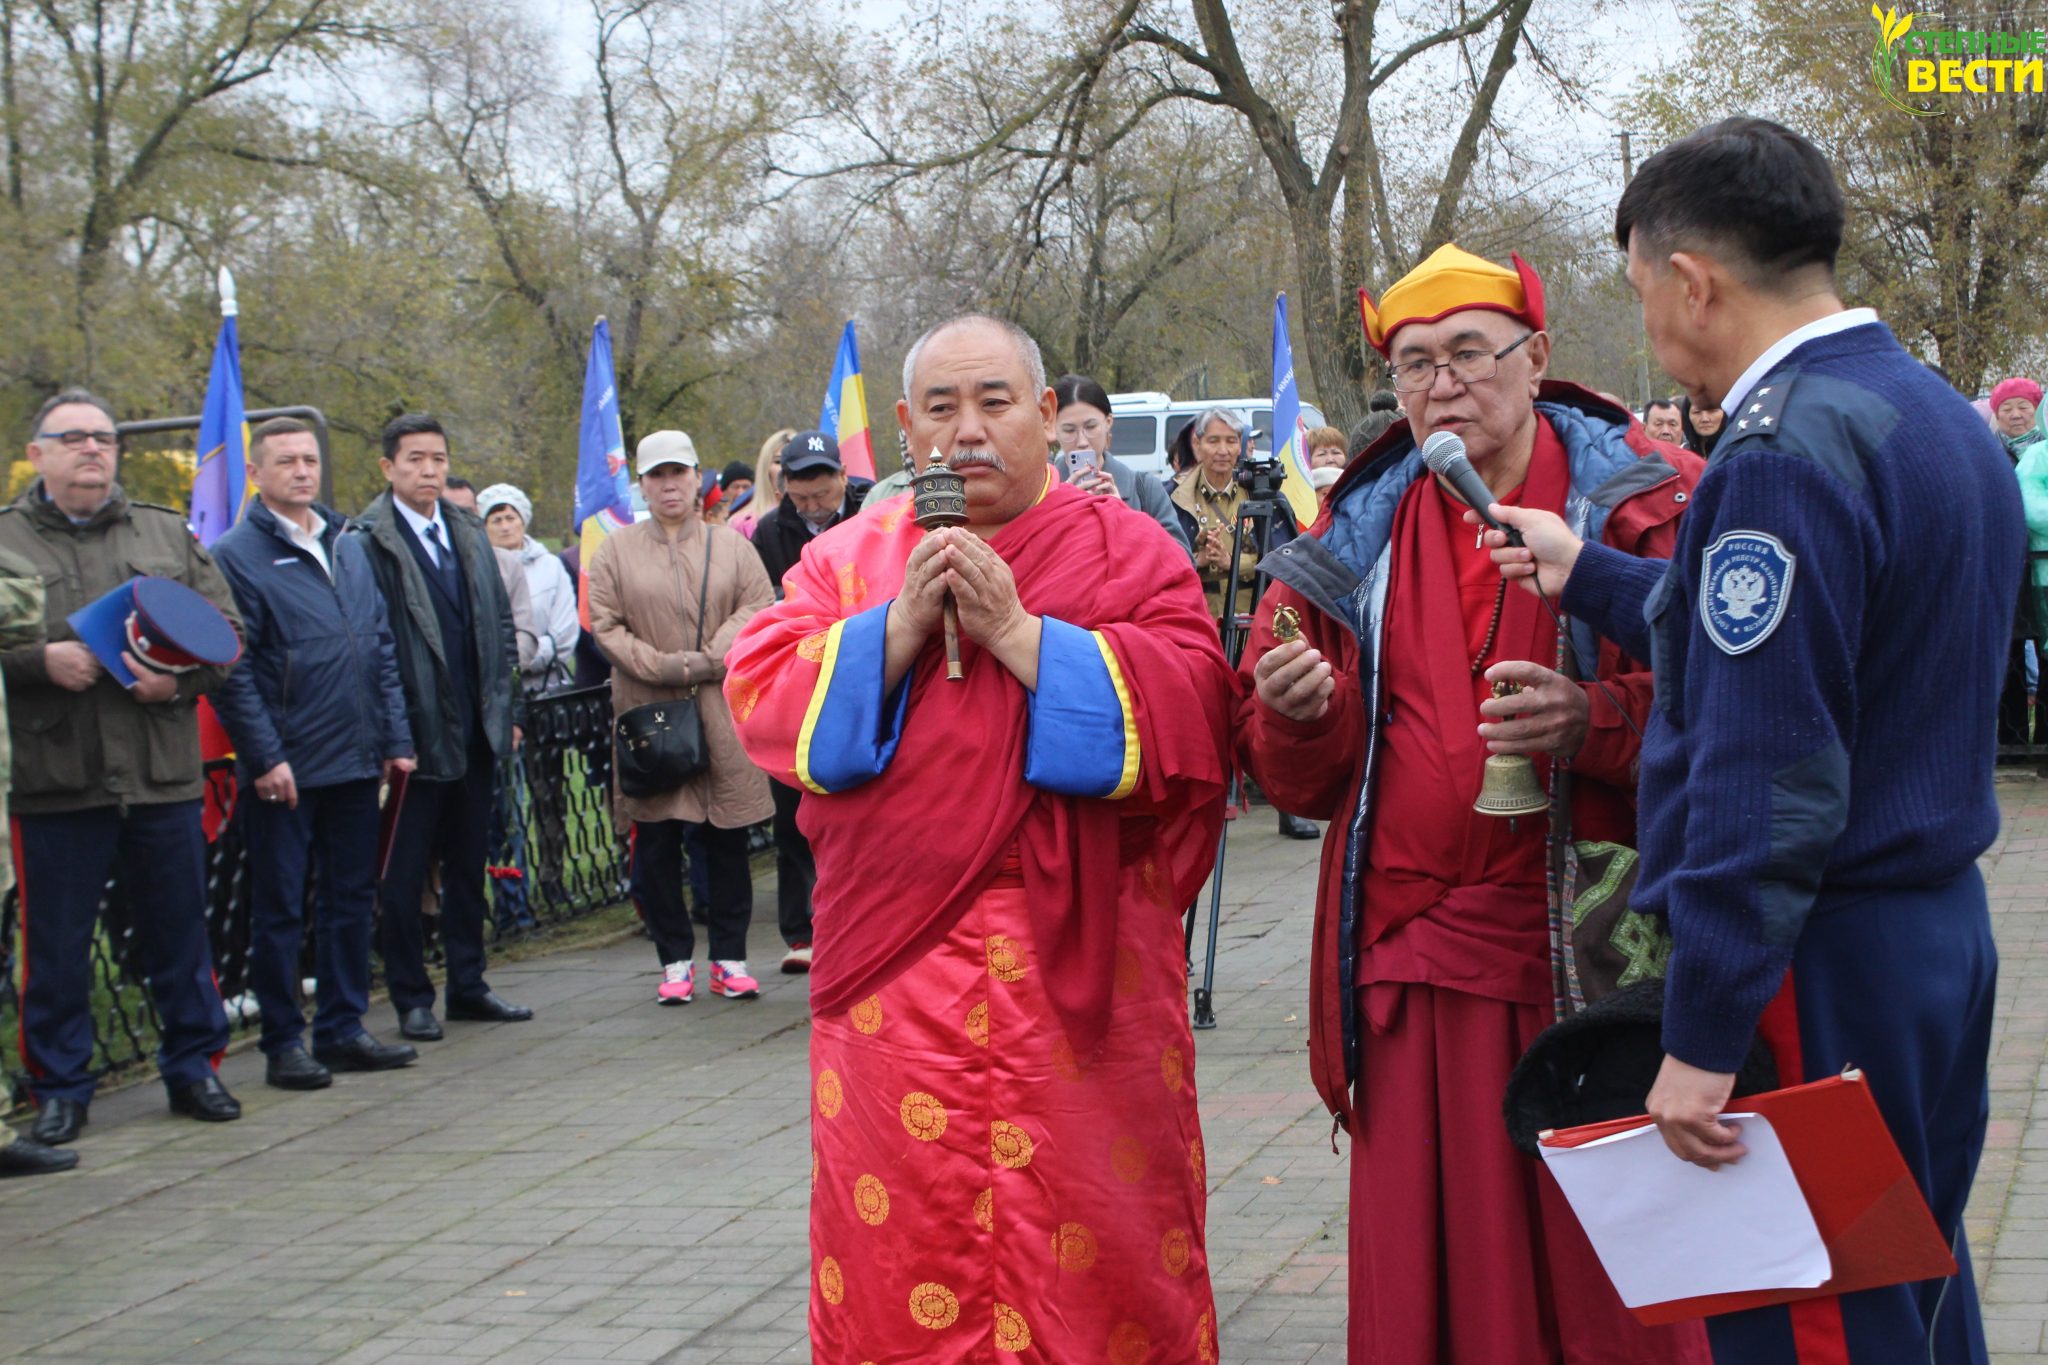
pixel 318 716
pixel 1829 642
pixel 451 622
pixel 105 772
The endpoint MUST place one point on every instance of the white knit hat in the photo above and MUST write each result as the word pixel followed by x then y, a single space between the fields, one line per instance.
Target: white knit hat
pixel 505 495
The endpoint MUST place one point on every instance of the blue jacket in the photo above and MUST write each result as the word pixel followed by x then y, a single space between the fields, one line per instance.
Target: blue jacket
pixel 318 684
pixel 1829 641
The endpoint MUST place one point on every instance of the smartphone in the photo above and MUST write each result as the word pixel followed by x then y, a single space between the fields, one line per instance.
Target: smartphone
pixel 1082 461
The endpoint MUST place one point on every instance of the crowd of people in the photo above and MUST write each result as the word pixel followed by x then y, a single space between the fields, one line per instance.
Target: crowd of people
pixel 1710 630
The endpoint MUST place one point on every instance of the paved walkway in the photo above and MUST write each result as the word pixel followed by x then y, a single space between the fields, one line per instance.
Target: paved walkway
pixel 615 1181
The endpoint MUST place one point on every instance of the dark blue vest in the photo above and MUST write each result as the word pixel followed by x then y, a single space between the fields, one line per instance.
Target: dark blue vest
pixel 449 593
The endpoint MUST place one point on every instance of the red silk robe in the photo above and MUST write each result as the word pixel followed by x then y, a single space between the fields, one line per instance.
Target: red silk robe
pixel 1006 1155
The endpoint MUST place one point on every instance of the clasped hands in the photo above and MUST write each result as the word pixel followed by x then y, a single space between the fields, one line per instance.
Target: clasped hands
pixel 984 592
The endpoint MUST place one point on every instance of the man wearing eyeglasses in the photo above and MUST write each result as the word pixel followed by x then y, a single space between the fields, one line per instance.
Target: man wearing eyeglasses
pixel 104 771
pixel 1432 966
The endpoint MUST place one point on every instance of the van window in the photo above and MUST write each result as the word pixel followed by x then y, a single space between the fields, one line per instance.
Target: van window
pixel 1261 420
pixel 1134 436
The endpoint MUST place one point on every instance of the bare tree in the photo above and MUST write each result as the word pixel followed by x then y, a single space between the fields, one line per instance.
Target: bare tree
pixel 137 83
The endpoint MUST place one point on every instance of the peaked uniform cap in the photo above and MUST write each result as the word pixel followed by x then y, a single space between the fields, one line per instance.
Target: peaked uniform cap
pixel 1451 281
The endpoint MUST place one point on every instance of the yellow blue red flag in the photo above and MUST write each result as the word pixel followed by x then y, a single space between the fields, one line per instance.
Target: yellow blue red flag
pixel 845 413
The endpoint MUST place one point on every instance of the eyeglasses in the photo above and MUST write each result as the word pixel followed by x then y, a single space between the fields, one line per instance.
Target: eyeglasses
pixel 1467 367
pixel 1091 428
pixel 76 440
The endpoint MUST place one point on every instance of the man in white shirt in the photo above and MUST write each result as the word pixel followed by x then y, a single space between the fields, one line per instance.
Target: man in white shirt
pixel 317 714
pixel 458 658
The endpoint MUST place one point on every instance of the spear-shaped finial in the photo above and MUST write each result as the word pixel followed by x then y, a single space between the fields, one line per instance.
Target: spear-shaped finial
pixel 228 307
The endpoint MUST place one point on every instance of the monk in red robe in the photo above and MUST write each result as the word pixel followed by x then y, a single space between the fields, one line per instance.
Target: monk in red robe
pixel 1432 967
pixel 1006 1157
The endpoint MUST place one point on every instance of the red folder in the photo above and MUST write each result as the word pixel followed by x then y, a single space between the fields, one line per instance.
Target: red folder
pixel 1872 1218
pixel 387 820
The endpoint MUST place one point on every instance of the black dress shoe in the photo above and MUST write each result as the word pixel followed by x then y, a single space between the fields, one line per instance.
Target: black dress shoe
pixel 58 1123
pixel 207 1100
pixel 25 1157
pixel 420 1025
pixel 488 1008
pixel 292 1069
pixel 364 1053
pixel 1294 827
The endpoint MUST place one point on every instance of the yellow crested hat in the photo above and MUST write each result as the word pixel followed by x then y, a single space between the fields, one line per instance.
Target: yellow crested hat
pixel 1450 281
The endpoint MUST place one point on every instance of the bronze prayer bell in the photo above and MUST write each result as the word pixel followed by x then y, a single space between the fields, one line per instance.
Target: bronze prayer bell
pixel 1508 786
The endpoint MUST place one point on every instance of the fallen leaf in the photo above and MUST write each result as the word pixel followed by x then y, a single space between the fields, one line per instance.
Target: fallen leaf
pixel 1270 1180
pixel 515 1293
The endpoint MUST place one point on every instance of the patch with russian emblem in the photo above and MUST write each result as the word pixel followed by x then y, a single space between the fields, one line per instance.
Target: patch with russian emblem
pixel 1745 586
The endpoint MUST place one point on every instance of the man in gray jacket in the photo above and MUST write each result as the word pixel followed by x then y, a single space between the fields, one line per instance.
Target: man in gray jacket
pixel 103 771
pixel 451 622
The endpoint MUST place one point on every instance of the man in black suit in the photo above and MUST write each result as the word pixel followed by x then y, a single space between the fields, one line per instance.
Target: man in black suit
pixel 458 656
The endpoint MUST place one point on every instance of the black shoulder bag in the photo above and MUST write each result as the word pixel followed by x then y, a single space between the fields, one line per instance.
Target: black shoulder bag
pixel 660 745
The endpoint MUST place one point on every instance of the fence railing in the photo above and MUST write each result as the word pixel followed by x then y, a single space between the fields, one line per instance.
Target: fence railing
pixel 574 862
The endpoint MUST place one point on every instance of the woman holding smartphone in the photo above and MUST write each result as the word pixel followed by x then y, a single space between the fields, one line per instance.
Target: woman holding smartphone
pixel 1082 426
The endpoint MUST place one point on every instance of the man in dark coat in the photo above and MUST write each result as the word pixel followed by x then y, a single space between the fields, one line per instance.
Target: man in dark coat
pixel 317 714
pixel 451 623
pixel 818 495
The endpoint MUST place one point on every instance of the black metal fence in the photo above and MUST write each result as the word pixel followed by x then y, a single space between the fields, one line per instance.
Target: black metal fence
pixel 558 858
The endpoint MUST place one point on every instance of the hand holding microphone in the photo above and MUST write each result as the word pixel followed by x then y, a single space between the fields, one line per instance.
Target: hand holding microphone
pixel 1532 546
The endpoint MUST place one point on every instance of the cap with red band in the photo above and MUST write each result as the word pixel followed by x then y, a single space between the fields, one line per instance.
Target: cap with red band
pixel 1451 281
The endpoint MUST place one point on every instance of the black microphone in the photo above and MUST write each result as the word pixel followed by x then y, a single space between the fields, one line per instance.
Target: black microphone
pixel 1444 453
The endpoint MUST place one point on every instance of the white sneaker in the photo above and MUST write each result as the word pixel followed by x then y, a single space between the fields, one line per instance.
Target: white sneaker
pixel 677 982
pixel 797 960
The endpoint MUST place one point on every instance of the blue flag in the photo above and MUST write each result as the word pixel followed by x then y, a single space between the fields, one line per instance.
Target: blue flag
pixel 602 485
pixel 604 492
pixel 220 480
pixel 1287 430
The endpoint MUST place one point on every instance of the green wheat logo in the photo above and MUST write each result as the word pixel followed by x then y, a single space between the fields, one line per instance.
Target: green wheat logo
pixel 1884 58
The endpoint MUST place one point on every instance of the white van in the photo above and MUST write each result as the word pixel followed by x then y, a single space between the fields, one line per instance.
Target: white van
pixel 1146 424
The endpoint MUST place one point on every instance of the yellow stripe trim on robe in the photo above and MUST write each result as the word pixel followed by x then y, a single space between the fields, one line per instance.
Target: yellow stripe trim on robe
pixel 817 704
pixel 1129 781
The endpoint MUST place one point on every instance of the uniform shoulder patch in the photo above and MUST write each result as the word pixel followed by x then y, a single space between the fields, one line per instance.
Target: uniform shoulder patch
pixel 1762 410
pixel 1745 586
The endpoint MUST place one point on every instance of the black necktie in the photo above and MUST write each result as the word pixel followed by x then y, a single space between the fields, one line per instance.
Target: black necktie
pixel 444 560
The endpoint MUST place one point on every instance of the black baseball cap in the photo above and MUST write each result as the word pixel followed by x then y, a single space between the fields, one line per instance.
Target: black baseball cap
pixel 807 452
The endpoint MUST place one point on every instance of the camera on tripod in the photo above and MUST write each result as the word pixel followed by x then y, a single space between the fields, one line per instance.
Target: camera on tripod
pixel 1259 473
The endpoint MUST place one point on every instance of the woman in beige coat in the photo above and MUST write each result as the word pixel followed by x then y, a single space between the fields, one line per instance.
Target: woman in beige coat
pixel 643 585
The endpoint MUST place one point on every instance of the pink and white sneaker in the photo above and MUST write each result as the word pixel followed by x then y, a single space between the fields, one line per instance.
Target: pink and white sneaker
pixel 678 980
pixel 730 979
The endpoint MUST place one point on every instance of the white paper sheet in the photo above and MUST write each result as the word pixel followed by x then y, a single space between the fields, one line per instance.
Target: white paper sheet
pixel 1667 1229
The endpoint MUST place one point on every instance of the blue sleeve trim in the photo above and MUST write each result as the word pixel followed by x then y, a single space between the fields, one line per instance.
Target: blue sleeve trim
pixel 850 728
pixel 1084 734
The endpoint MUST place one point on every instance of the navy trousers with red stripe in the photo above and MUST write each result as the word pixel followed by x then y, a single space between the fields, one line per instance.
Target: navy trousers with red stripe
pixel 1899 984
pixel 63 862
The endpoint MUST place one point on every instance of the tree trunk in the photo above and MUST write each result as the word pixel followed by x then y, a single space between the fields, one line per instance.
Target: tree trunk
pixel 1324 320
